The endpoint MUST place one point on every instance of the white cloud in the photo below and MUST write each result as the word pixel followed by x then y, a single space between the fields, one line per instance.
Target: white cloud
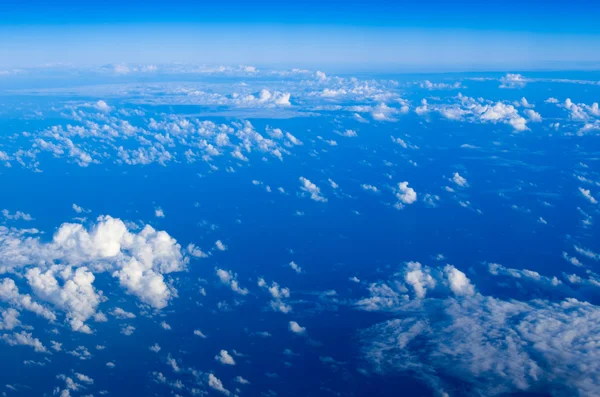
pixel 18 215
pixel 220 246
pixel 279 294
pixel 405 194
pixel 492 346
pixel 588 195
pixel 77 296
pixel 216 384
pixel 9 319
pixel 459 180
pixel 225 358
pixel 165 326
pixel 312 189
pixel 155 348
pixel 102 106
pixel 241 380
pixel 512 80
pixel 230 279
pixel 296 328
pixel 196 252
pixel 533 116
pixel 199 333
pixel 137 260
pixel 459 282
pixel 418 278
pixel 79 210
pixel 295 267
pixel 370 188
pixel 24 339
pixel 10 293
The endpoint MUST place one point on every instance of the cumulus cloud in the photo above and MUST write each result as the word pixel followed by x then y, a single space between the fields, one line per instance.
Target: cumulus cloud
pixel 230 279
pixel 489 345
pixel 9 319
pixel 9 293
pixel 137 260
pixel 18 215
pixel 296 328
pixel 588 195
pixel 459 180
pixel 225 358
pixel 279 294
pixel 216 384
pixel 295 267
pixel 405 194
pixel 312 189
pixel 370 188
pixel 77 297
pixel 512 80
pixel 24 338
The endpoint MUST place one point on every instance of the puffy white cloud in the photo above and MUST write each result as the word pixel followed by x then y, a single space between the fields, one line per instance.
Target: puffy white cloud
pixel 588 195
pixel 405 194
pixel 458 281
pixel 102 106
pixel 77 296
pixel 459 180
pixel 279 294
pixel 230 279
pixel 155 348
pixel 497 269
pixel 512 80
pixel 419 278
pixel 18 215
pixel 587 252
pixel 122 314
pixel 196 252
pixel 225 358
pixel 370 188
pixel 10 293
pixel 296 328
pixel 9 319
pixel 220 246
pixel 533 116
pixel 216 384
pixel 320 75
pixel 312 189
pixel 295 267
pixel 241 380
pixel 24 339
pixel 137 260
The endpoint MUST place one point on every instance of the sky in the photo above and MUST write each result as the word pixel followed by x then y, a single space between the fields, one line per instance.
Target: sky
pixel 351 35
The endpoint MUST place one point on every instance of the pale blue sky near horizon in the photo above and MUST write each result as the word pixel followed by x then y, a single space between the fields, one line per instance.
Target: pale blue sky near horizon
pixel 405 35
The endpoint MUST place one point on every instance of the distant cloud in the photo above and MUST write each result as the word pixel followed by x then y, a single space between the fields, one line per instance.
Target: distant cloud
pixel 312 189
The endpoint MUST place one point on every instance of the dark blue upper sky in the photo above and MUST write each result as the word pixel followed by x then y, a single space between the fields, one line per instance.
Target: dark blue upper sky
pixel 533 15
pixel 462 34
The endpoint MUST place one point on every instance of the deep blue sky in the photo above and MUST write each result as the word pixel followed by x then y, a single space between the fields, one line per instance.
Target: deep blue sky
pixel 448 35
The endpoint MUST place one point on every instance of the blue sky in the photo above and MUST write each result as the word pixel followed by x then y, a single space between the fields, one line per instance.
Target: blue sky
pixel 435 35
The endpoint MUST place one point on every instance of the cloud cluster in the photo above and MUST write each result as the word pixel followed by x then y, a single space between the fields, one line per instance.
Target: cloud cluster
pixel 459 341
pixel 61 271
